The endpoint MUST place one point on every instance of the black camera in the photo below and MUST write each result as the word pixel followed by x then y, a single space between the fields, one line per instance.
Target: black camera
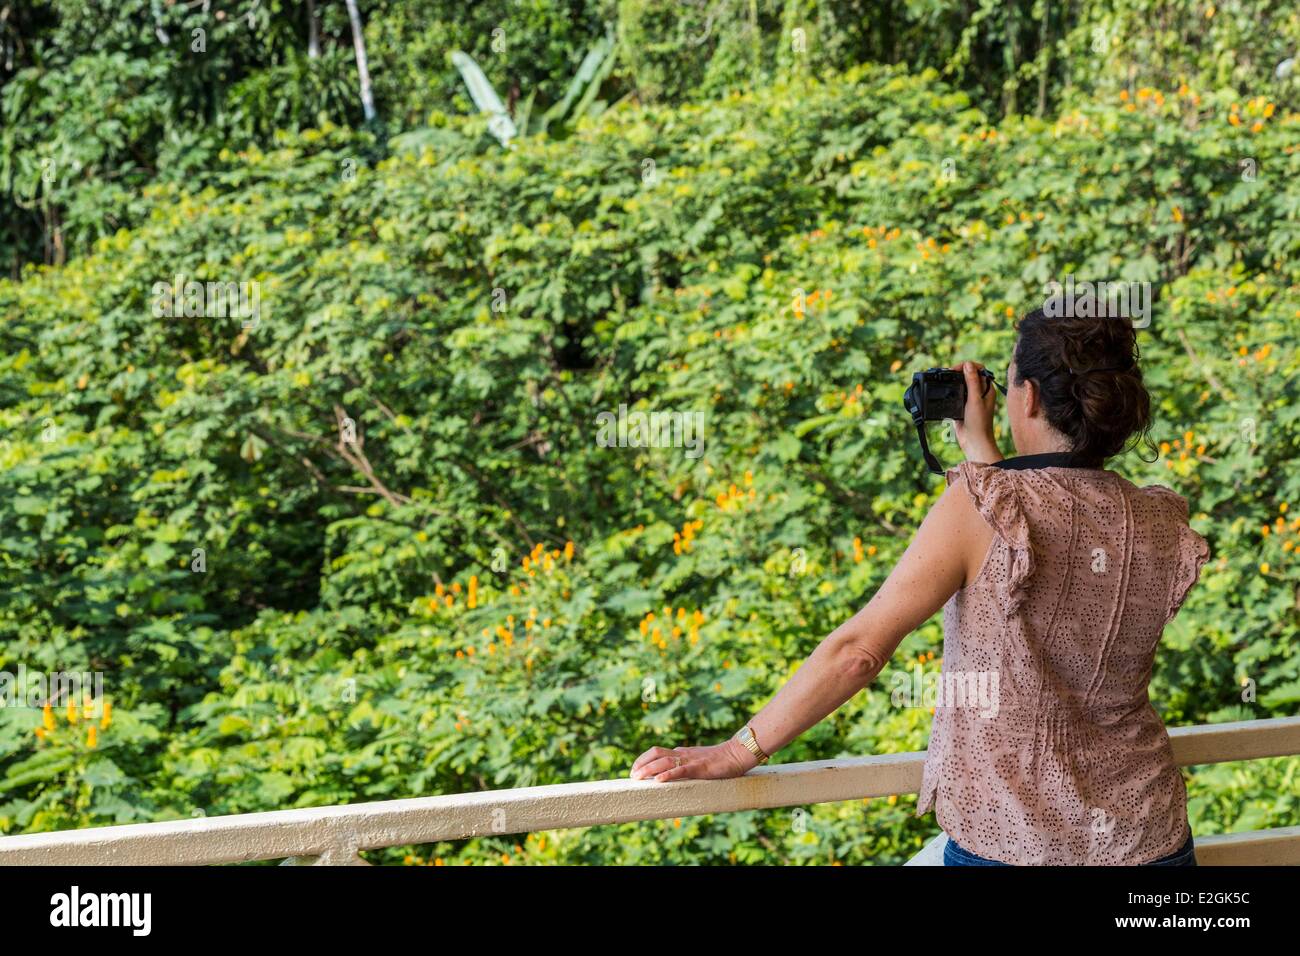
pixel 938 394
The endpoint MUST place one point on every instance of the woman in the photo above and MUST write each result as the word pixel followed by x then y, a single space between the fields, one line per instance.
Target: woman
pixel 1056 578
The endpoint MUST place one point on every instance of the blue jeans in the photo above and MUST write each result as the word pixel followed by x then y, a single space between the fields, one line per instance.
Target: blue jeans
pixel 955 855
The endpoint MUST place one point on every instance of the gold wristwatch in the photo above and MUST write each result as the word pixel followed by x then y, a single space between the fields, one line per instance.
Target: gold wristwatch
pixel 747 739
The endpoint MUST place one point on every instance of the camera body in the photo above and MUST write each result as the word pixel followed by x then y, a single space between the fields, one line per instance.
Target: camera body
pixel 938 394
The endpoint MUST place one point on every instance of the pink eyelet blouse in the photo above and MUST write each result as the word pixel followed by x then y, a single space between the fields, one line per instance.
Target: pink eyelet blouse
pixel 1067 763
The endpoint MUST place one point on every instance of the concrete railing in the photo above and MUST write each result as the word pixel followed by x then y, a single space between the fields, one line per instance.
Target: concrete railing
pixel 335 835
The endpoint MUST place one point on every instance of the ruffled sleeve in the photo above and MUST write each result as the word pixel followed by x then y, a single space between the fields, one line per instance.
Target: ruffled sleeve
pixel 1193 552
pixel 1190 552
pixel 997 498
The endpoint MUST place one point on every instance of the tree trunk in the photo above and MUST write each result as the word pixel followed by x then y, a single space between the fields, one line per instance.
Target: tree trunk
pixel 1045 53
pixel 313 31
pixel 363 71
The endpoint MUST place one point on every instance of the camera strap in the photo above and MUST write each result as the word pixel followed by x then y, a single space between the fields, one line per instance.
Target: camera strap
pixel 930 461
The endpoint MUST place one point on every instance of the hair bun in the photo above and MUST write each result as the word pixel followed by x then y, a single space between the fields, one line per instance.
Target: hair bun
pixel 1088 378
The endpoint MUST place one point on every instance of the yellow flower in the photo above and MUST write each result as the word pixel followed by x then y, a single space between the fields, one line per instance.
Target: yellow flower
pixel 92 737
pixel 107 719
pixel 48 717
pixel 472 598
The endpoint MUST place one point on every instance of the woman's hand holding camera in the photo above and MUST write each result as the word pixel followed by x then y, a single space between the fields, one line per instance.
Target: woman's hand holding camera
pixel 975 432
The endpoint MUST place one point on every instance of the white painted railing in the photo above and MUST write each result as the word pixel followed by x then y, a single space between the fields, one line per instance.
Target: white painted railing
pixel 335 835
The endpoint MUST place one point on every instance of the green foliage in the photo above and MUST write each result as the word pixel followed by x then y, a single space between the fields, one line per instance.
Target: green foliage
pixel 98 99
pixel 778 260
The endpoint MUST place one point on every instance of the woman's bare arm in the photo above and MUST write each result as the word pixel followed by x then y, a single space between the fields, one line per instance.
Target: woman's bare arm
pixel 944 555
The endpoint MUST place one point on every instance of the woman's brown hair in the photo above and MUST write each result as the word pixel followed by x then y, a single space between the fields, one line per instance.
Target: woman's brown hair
pixel 1088 381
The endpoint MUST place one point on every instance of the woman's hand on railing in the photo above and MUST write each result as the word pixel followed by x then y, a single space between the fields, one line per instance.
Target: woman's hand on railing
pixel 719 762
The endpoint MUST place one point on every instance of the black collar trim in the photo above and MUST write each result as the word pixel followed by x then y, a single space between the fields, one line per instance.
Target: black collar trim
pixel 1051 459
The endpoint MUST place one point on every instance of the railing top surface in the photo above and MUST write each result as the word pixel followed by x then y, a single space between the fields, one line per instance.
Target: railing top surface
pixel 282 833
